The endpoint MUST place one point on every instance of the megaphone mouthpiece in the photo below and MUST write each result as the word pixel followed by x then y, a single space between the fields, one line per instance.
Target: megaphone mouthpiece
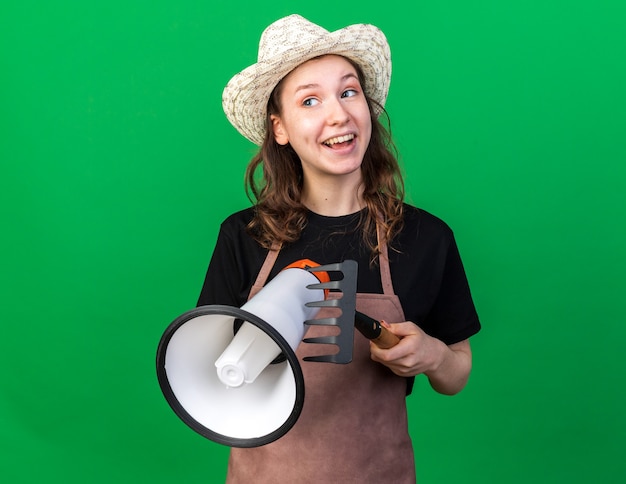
pixel 243 360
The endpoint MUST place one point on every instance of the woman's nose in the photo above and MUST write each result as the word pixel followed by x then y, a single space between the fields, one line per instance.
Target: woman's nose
pixel 337 113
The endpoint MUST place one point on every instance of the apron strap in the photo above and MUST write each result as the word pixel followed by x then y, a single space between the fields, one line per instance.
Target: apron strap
pixel 266 268
pixel 383 263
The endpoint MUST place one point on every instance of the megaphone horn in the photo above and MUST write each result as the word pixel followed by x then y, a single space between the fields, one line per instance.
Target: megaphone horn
pixel 228 385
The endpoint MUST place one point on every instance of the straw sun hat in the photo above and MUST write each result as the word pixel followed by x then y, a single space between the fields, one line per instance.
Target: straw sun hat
pixel 287 43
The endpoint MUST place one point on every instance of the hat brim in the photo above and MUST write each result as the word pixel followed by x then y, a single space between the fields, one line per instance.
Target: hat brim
pixel 246 95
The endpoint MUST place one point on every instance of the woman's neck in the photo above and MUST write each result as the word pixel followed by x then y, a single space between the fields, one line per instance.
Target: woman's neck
pixel 333 197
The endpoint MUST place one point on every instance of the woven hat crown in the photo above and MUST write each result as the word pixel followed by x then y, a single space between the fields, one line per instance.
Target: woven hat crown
pixel 286 34
pixel 289 42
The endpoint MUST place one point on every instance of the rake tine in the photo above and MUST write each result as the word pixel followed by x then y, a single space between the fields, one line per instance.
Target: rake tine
pixel 325 285
pixel 323 359
pixel 337 266
pixel 322 340
pixel 345 321
pixel 340 358
pixel 328 303
pixel 321 322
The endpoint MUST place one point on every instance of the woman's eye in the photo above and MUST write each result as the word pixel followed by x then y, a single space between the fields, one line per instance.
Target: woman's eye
pixel 349 93
pixel 310 102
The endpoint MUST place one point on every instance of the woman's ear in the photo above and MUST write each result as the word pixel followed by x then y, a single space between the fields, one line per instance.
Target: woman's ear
pixel 279 132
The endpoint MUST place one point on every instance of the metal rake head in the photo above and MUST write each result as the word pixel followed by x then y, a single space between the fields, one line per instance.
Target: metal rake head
pixel 346 304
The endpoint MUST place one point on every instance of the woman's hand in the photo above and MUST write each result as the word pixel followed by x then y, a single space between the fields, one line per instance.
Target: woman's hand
pixel 446 366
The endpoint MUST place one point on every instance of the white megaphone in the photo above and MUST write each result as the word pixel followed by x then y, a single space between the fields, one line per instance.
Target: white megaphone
pixel 232 375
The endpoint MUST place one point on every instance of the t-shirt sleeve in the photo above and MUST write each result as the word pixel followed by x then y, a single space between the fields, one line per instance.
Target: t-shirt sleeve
pixel 221 284
pixel 453 317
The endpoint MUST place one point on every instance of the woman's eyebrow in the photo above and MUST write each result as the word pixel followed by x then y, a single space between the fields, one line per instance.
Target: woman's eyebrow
pixel 306 86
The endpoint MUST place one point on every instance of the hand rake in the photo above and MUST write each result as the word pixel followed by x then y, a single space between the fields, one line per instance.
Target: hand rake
pixel 349 317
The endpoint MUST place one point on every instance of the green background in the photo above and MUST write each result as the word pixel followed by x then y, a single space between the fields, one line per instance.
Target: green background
pixel 117 165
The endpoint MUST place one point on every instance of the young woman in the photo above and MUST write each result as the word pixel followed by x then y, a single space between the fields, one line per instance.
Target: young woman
pixel 330 190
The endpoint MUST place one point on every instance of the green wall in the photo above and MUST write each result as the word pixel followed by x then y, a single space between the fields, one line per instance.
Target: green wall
pixel 117 165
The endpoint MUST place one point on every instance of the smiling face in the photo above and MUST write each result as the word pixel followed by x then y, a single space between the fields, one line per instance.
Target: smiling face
pixel 325 118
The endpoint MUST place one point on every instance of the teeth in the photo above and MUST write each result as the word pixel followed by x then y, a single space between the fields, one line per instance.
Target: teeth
pixel 339 139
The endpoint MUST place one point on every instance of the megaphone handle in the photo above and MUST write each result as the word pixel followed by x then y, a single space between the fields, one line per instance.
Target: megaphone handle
pixel 375 331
